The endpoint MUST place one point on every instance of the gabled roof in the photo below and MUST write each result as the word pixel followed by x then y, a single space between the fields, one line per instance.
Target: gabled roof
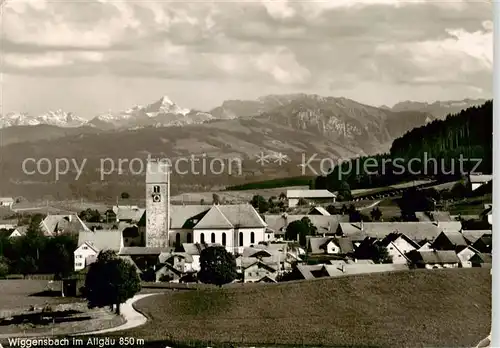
pixel 473 235
pixel 261 254
pixel 317 245
pixel 309 194
pixel 320 210
pixel 261 264
pixel 188 258
pixel 392 237
pixel 192 248
pixel 187 216
pixel 231 216
pixel 481 258
pixel 214 218
pixel 129 213
pixel 102 239
pixel 55 224
pixel 455 238
pixel 267 279
pixel 433 257
pixel 416 231
pixel 242 215
pixel 480 178
pixel 131 262
pixel 143 251
pixel 324 224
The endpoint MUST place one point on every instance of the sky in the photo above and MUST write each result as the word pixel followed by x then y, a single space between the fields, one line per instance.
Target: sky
pixel 95 56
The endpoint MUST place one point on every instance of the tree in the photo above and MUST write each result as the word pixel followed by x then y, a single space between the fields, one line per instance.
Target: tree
pixel 380 254
pixel 125 195
pixel 302 202
pixel 58 255
pixel 4 267
pixel 217 266
pixel 354 214
pixel 215 198
pixel 282 196
pixel 458 191
pixel 90 215
pixel 376 214
pixel 299 229
pixel 202 201
pixel 332 209
pixel 344 191
pixel 110 280
pixel 260 203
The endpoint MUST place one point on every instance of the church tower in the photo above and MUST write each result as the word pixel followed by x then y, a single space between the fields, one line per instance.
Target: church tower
pixel 157 204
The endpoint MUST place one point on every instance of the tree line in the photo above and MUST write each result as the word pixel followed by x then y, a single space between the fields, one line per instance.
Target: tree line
pixel 35 253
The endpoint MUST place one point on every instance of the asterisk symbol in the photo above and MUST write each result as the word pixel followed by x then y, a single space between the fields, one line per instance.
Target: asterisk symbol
pixel 262 158
pixel 280 158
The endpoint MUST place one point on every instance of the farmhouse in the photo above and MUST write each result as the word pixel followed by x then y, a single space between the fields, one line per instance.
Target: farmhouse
pixel 434 259
pixel 398 245
pixel 6 201
pixel 475 181
pixel 326 225
pixel 318 196
pixel 90 243
pixel 54 225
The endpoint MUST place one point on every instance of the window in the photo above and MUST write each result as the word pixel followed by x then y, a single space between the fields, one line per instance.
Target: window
pixel 202 238
pixel 224 239
pixel 78 264
pixel 177 240
pixel 252 238
pixel 84 248
pixel 189 237
pixel 212 240
pixel 241 238
pixel 156 189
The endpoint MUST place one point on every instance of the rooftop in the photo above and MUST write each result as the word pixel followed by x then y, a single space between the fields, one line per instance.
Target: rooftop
pixel 309 194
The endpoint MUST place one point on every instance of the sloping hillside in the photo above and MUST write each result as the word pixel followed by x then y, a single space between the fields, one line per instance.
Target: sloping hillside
pixel 436 308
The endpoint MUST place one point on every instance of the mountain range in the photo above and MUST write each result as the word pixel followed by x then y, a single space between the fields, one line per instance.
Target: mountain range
pixel 164 112
pixel 297 125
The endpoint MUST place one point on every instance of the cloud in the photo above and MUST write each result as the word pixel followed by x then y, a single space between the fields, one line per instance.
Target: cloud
pixel 316 46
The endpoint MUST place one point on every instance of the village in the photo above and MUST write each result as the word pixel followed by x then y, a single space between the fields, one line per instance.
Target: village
pixel 305 241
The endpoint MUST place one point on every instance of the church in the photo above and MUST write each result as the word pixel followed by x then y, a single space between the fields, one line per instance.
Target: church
pixel 166 225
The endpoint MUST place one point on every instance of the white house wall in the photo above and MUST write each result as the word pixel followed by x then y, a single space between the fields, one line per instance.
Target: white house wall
pixel 81 254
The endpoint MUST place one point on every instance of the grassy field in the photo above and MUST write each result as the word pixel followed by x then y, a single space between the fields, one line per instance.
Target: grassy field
pixel 412 309
pixel 21 293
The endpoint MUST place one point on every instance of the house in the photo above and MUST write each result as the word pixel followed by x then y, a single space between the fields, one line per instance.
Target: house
pixel 166 272
pixel 487 214
pixel 434 259
pixel 425 246
pixel 484 243
pixel 330 245
pixel 472 236
pixel 279 257
pixel 449 241
pixel 465 254
pixel 257 270
pixel 416 231
pixel 128 213
pixel 53 225
pixel 317 196
pixel 182 262
pixel 398 245
pixel 480 259
pixel 475 181
pixel 90 243
pixel 325 224
pixel 6 202
pixel 318 210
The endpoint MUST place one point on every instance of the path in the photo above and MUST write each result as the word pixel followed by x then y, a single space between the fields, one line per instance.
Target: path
pixel 370 206
pixel 127 310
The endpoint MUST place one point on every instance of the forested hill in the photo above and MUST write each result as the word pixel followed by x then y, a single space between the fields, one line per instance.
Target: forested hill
pixel 432 150
pixel 468 133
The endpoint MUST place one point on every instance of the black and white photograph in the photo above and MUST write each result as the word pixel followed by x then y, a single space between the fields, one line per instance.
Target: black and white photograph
pixel 252 173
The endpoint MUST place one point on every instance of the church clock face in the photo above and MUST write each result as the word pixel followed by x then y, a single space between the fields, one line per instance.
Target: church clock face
pixel 156 198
